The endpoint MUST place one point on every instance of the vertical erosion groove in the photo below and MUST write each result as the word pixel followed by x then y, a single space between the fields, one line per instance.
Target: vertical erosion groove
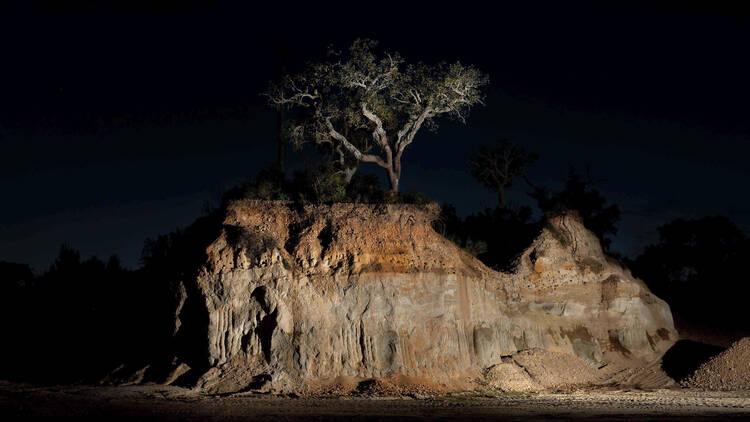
pixel 265 330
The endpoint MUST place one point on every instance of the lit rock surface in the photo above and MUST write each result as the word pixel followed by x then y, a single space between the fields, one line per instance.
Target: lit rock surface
pixel 292 298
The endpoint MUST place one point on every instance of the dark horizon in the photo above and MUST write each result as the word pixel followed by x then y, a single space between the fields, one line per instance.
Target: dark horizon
pixel 118 122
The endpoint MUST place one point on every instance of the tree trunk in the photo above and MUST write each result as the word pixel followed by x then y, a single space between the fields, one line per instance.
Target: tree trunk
pixel 393 178
pixel 280 140
pixel 282 73
pixel 502 197
pixel 394 172
pixel 349 174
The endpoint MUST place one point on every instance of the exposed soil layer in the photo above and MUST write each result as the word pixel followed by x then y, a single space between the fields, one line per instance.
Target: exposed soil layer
pixel 172 403
pixel 729 370
pixel 331 297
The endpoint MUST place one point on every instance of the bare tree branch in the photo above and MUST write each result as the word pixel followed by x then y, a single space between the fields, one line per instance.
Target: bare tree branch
pixel 368 158
pixel 379 133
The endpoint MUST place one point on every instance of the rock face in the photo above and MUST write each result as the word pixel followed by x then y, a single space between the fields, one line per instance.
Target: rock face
pixel 292 299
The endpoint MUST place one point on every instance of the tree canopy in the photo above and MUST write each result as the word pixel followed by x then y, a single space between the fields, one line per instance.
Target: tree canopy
pixel 698 267
pixel 496 167
pixel 368 107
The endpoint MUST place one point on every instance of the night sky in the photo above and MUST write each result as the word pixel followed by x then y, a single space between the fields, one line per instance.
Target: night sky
pixel 118 122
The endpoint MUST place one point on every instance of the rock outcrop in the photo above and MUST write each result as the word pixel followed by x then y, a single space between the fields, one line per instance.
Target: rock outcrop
pixel 296 298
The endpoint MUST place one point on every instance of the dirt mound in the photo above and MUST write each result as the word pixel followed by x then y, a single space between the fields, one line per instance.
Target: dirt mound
pixel 686 356
pixel 392 386
pixel 539 369
pixel 729 370
pixel 555 370
pixel 384 387
pixel 510 377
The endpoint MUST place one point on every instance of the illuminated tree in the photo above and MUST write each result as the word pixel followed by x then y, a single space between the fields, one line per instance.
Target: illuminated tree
pixel 368 107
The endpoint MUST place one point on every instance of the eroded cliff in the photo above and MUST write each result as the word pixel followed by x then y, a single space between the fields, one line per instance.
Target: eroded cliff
pixel 299 299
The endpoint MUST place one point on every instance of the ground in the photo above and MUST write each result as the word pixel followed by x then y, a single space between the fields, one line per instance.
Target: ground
pixel 172 403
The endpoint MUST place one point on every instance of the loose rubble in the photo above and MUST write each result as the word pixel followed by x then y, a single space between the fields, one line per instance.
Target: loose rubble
pixel 727 371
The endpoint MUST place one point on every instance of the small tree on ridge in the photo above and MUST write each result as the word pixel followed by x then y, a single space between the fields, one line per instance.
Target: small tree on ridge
pixel 496 167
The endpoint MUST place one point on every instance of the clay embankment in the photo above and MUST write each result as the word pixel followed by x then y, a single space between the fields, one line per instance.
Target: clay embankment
pixel 329 296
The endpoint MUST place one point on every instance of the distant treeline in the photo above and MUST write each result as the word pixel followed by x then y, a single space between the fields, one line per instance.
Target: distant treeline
pixel 82 318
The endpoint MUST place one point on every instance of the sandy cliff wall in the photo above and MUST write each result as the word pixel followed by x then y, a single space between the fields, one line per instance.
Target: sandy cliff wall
pixel 293 298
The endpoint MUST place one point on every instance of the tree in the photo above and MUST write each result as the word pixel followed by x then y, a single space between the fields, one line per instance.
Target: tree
pixel 368 107
pixel 281 48
pixel 699 267
pixel 496 167
pixel 496 236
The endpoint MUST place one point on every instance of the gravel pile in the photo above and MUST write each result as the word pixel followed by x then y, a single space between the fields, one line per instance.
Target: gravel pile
pixel 729 370
pixel 391 386
pixel 510 377
pixel 538 370
pixel 381 387
pixel 554 369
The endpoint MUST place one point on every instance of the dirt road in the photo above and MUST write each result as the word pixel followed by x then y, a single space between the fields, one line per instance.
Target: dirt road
pixel 171 403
